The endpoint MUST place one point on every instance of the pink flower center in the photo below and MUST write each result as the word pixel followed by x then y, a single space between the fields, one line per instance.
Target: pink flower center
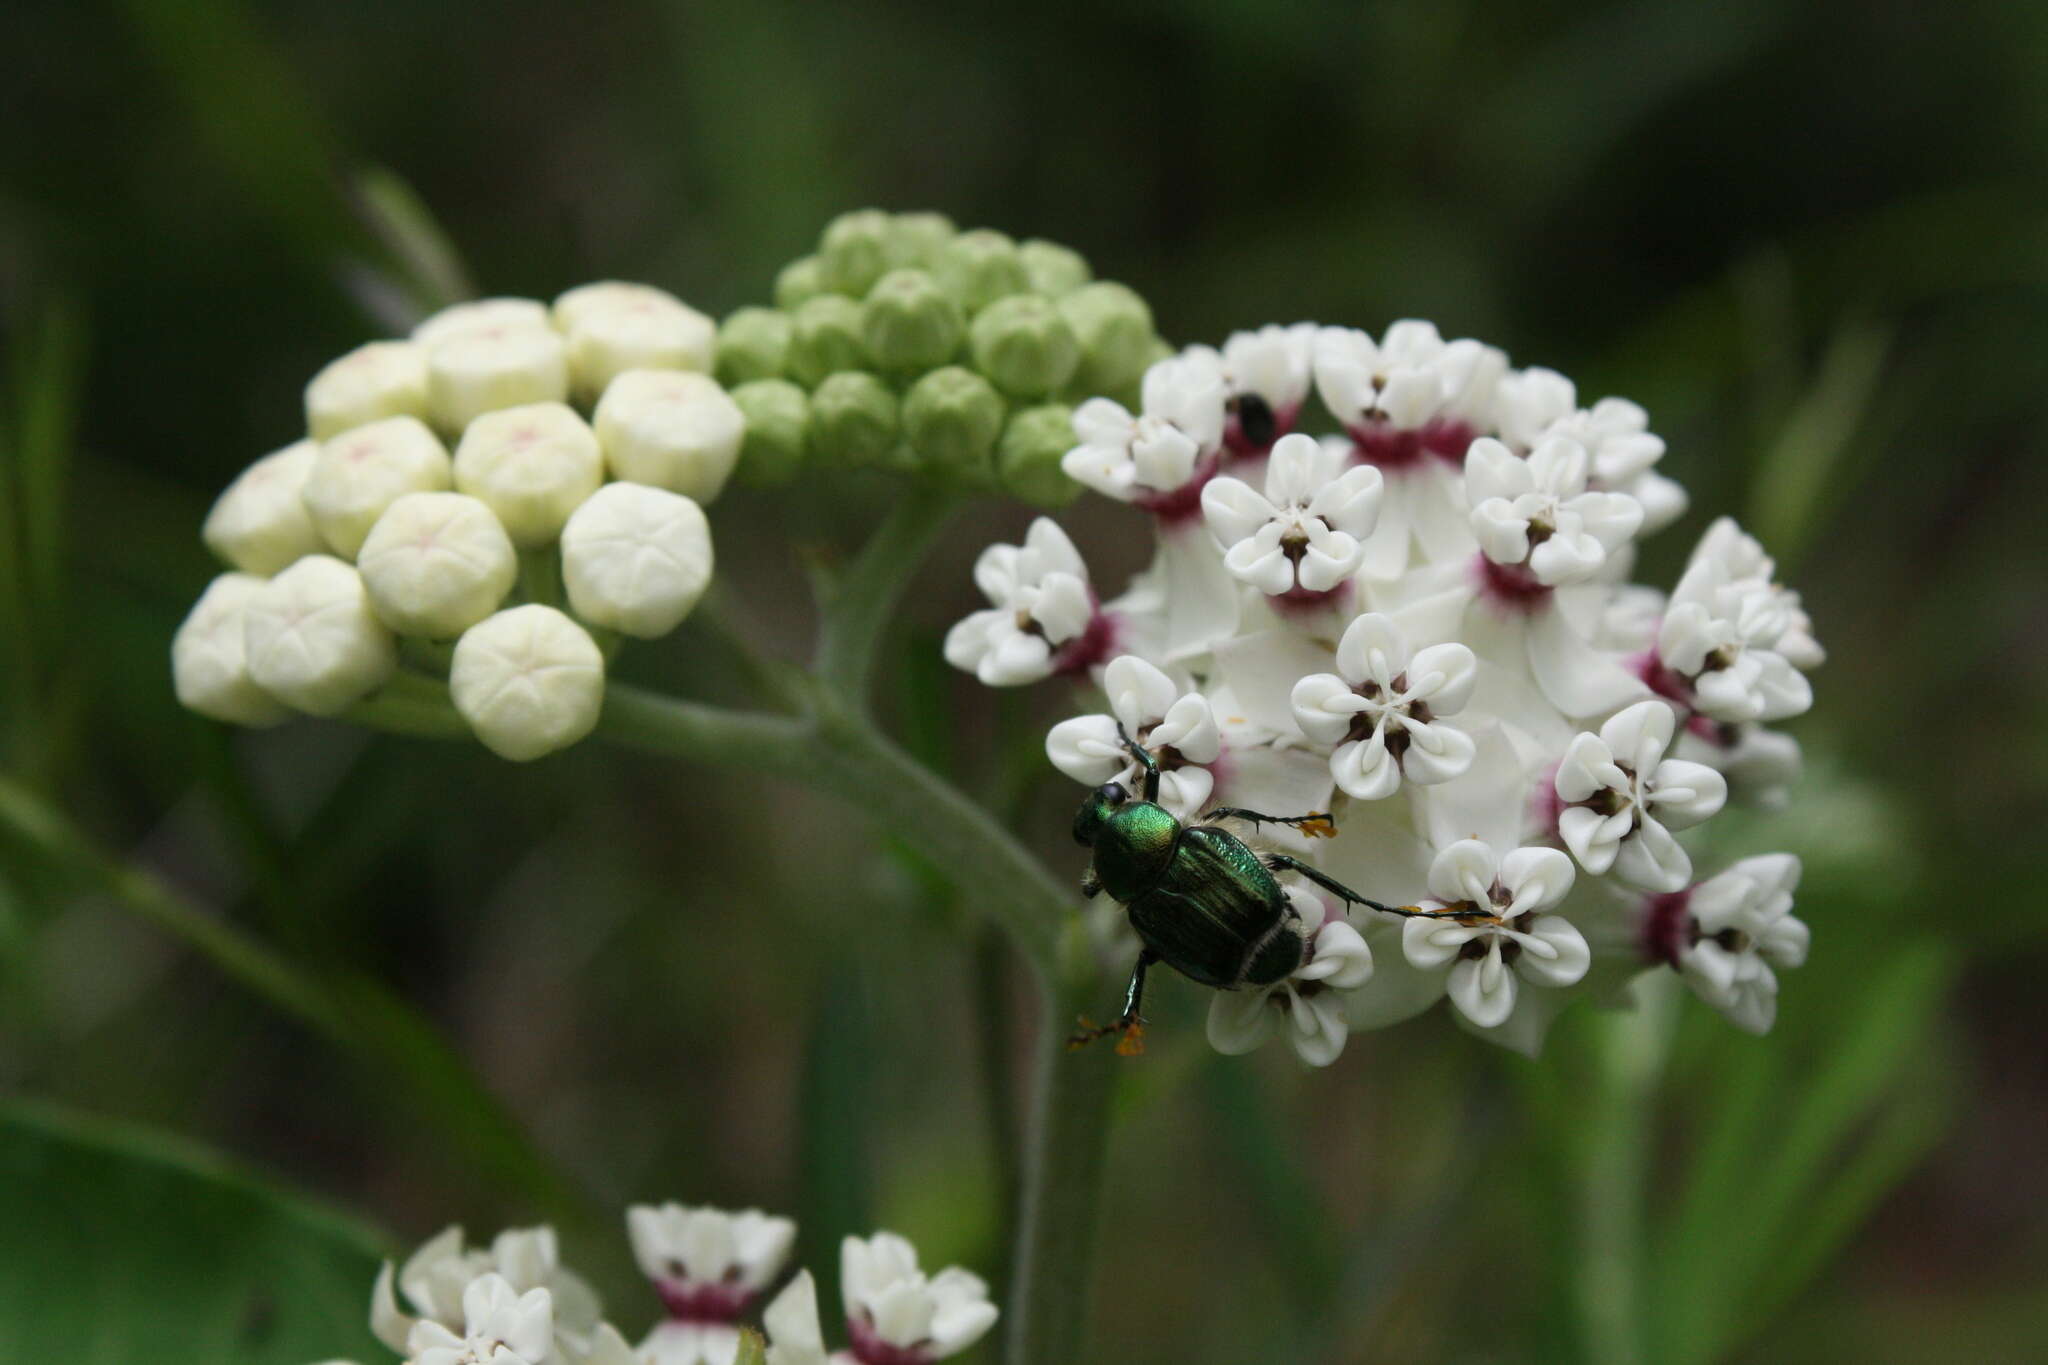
pixel 1665 926
pixel 1382 443
pixel 716 1301
pixel 1182 504
pixel 1511 588
pixel 870 1349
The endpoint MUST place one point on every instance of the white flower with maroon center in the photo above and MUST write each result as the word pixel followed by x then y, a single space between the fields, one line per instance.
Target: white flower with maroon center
pixel 1266 374
pixel 501 1326
pixel 896 1315
pixel 1408 395
pixel 1384 707
pixel 1160 458
pixel 1622 798
pixel 1305 535
pixel 1723 647
pixel 1308 1003
pixel 1042 619
pixel 1178 728
pixel 436 1278
pixel 1504 930
pixel 708 1266
pixel 1727 933
pixel 1536 514
pixel 1616 434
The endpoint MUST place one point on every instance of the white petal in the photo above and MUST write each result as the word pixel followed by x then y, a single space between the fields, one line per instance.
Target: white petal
pixel 1464 872
pixel 1536 878
pixel 1239 1021
pixel 1373 649
pixel 1443 676
pixel 1483 990
pixel 1652 860
pixel 1324 706
pixel 1437 752
pixel 1570 955
pixel 1364 768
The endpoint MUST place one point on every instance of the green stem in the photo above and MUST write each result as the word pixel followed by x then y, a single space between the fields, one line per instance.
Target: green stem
pixel 859 611
pixel 540 575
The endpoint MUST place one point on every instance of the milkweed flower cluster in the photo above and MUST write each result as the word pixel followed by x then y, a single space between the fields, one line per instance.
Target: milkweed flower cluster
pixel 1425 622
pixel 497 499
pixel 513 1303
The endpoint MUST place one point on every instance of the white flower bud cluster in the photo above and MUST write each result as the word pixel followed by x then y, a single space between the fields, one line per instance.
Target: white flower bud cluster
pixel 581 440
pixel 1423 622
pixel 514 1303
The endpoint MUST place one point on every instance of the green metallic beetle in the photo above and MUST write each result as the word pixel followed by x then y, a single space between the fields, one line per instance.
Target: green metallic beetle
pixel 1201 900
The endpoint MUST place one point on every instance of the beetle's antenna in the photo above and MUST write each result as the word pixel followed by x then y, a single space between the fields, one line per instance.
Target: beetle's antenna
pixel 1145 761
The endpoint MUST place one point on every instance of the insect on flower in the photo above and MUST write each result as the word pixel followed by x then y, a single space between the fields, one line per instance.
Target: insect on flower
pixel 1201 900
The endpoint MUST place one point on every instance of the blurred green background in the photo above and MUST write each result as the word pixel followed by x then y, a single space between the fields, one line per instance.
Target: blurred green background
pixel 1811 238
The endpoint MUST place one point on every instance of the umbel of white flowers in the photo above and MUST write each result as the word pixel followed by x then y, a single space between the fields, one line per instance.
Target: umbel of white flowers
pixel 522 483
pixel 513 1303
pixel 1425 622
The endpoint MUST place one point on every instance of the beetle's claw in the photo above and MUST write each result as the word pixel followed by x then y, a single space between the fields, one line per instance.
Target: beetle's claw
pixel 1130 1040
pixel 1318 825
pixel 1131 1043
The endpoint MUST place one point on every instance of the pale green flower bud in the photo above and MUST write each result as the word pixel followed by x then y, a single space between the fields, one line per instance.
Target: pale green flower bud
pixel 480 314
pixel 1028 455
pixel 380 379
pixel 1054 270
pixel 672 429
pixel 1115 330
pixel 636 559
pixel 909 324
pixel 435 564
pixel 530 465
pixel 778 430
pixel 260 524
pixel 613 327
pixel 479 369
pixel 360 473
pixel 210 663
pixel 979 267
pixel 915 239
pixel 753 344
pixel 802 280
pixel 313 640
pixel 853 419
pixel 826 339
pixel 854 250
pixel 529 681
pixel 1025 346
pixel 951 418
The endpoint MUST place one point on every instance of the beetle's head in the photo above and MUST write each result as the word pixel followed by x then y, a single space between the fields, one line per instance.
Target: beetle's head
pixel 1096 808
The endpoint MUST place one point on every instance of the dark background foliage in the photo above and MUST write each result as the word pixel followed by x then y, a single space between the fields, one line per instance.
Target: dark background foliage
pixel 1811 238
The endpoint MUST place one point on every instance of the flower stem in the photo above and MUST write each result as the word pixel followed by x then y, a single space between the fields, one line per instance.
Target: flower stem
pixel 856 616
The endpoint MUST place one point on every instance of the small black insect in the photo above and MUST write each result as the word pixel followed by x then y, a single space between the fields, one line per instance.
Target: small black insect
pixel 1201 901
pixel 1255 420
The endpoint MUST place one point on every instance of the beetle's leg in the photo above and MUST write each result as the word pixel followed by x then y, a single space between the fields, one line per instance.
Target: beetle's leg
pixel 1091 885
pixel 1316 824
pixel 1145 761
pixel 1130 1026
pixel 1280 862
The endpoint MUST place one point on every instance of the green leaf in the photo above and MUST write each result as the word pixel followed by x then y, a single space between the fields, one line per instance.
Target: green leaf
pixel 124 1245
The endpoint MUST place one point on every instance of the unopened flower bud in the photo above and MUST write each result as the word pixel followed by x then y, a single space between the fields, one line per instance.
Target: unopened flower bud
pixel 531 466
pixel 1028 455
pixel 854 250
pixel 210 662
pixel 826 338
pixel 528 680
pixel 915 239
pixel 753 344
pixel 1114 327
pixel 910 324
pixel 1025 346
pixel 260 524
pixel 802 280
pixel 435 564
pixel 376 380
pixel 481 314
pixel 360 473
pixel 636 559
pixel 979 267
pixel 479 369
pixel 951 418
pixel 613 327
pixel 1054 270
pixel 313 640
pixel 853 419
pixel 672 429
pixel 778 430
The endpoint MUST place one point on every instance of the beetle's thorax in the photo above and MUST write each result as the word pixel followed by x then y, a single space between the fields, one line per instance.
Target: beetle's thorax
pixel 1134 848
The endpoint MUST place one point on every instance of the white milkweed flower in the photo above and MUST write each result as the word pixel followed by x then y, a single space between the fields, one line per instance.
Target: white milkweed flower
pixel 1306 533
pixel 613 327
pixel 376 380
pixel 895 1312
pixel 1178 728
pixel 529 681
pixel 1384 710
pixel 475 370
pixel 313 640
pixel 1509 928
pixel 533 465
pixel 1741 927
pixel 1616 433
pixel 210 661
pixel 1537 511
pixel 1170 443
pixel 500 1327
pixel 1307 1005
pixel 1727 630
pixel 480 315
pixel 435 564
pixel 673 429
pixel 636 559
pixel 1266 374
pixel 361 472
pixel 708 1266
pixel 1408 393
pixel 1622 799
pixel 1042 616
pixel 436 1279
pixel 260 524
